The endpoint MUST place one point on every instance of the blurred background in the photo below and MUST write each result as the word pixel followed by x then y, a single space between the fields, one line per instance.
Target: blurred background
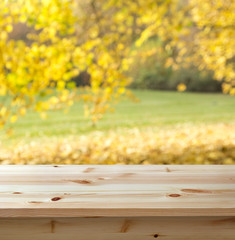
pixel 117 82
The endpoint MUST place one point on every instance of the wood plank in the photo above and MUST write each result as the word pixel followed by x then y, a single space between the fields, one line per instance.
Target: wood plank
pixel 117 190
pixel 145 228
pixel 117 168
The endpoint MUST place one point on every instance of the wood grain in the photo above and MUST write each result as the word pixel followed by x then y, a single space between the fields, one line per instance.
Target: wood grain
pixel 117 191
pixel 111 228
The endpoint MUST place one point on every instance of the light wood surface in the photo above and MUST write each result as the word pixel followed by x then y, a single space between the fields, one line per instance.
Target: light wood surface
pixel 117 191
pixel 110 228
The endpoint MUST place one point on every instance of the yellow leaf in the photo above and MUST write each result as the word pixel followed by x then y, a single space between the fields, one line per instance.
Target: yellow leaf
pixel 22 111
pixel 181 87
pixel 60 85
pixel 9 28
pixel 3 111
pixel 54 100
pixel 13 118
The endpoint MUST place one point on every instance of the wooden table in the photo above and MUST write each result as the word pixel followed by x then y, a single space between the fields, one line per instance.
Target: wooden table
pixel 117 202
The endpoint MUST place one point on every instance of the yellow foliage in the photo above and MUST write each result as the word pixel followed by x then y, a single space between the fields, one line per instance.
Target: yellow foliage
pixel 213 144
pixel 68 37
pixel 3 111
pixel 13 118
pixel 181 87
pixel 22 111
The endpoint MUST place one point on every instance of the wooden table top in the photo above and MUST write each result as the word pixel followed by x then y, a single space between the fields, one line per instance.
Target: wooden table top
pixel 117 190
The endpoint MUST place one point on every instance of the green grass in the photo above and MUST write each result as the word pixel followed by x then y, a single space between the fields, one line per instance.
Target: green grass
pixel 155 109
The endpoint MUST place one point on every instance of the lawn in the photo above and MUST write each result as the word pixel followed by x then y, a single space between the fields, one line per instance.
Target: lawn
pixel 162 128
pixel 155 109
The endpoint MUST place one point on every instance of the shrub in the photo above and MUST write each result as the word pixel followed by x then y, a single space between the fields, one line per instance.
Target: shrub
pixel 156 77
pixel 195 80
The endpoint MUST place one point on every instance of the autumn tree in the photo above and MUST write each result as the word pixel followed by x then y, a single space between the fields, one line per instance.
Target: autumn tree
pixel 64 38
pixel 196 32
pixel 67 37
